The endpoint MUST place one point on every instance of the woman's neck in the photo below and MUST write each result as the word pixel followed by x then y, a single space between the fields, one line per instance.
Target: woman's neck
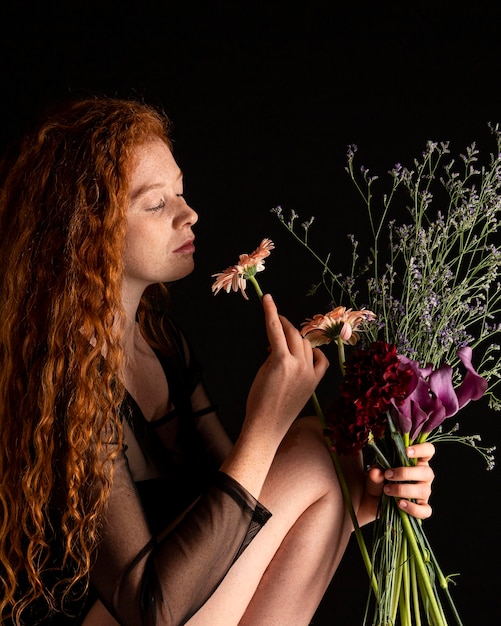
pixel 131 297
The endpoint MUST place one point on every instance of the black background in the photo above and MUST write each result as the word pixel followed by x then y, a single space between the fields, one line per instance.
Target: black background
pixel 265 97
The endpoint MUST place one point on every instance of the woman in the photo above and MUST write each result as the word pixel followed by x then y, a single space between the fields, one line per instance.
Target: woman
pixel 122 499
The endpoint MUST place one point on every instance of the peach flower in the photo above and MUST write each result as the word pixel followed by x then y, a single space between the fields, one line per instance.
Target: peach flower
pixel 340 323
pixel 235 277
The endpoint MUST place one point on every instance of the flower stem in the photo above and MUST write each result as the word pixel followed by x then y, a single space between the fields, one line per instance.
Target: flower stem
pixel 254 282
pixel 406 607
pixel 396 580
pixel 415 593
pixel 341 355
pixel 410 532
pixel 442 580
pixel 347 498
pixel 335 459
pixel 433 605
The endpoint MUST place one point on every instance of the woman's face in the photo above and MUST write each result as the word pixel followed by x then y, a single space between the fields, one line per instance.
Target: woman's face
pixel 159 240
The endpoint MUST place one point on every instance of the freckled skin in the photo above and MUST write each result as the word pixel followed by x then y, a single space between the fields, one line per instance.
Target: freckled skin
pixel 159 241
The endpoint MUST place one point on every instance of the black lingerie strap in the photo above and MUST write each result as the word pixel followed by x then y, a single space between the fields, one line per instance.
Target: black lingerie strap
pixel 172 414
pixel 208 409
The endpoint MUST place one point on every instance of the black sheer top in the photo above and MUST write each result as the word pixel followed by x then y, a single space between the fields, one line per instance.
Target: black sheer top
pixel 168 538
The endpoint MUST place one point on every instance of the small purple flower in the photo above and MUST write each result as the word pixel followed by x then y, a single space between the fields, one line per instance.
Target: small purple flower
pixel 432 396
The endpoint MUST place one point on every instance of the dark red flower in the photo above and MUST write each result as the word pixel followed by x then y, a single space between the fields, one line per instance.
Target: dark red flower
pixel 373 378
pixel 346 428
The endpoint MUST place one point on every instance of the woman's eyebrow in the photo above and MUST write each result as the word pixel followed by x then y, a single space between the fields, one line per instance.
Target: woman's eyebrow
pixel 142 189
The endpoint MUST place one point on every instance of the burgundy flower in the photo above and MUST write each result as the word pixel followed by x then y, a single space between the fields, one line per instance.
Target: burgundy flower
pixel 347 429
pixel 374 379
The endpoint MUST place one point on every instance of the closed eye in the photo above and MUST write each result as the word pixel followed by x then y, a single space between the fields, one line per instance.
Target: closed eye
pixel 157 208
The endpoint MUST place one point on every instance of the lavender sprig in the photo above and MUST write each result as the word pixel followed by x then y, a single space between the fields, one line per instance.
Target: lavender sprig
pixel 433 279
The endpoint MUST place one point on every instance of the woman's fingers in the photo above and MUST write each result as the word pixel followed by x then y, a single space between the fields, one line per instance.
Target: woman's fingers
pixel 320 361
pixel 419 490
pixel 286 340
pixel 418 510
pixel 412 485
pixel 283 336
pixel 274 327
pixel 423 452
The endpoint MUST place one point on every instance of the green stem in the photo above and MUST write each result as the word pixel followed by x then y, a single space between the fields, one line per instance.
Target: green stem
pixel 404 564
pixel 396 580
pixel 415 593
pixel 441 578
pixel 347 498
pixel 254 282
pixel 434 608
pixel 380 457
pixel 341 355
pixel 409 531
pixel 426 548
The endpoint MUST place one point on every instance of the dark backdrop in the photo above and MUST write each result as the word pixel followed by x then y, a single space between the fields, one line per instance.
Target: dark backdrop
pixel 265 97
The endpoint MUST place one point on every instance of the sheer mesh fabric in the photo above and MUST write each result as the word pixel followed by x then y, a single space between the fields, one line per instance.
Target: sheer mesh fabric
pixel 174 524
pixel 148 581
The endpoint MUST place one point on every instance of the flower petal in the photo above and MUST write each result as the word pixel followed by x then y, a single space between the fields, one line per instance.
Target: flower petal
pixel 403 415
pixel 440 382
pixel 317 337
pixel 346 332
pixel 426 425
pixel 339 322
pixel 473 386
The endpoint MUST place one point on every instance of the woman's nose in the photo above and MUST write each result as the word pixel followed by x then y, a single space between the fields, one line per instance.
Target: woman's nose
pixel 192 215
pixel 186 215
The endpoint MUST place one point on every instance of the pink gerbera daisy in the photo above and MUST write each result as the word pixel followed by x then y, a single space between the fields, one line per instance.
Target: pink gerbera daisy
pixel 235 277
pixel 340 323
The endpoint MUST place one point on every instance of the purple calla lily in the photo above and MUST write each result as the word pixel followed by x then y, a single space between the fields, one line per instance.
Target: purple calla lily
pixel 473 386
pixel 433 398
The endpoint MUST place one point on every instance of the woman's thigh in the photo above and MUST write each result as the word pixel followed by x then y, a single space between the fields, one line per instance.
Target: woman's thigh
pixel 297 551
pixel 304 538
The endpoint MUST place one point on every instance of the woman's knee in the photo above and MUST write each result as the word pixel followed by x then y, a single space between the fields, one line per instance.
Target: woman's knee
pixel 302 472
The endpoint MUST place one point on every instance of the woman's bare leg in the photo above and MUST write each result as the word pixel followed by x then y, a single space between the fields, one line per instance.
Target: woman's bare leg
pixel 282 576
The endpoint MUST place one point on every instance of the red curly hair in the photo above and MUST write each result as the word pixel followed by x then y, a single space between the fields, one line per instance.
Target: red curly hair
pixel 63 200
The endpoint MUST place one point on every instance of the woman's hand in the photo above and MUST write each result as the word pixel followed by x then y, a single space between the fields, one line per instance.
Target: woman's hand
pixel 281 388
pixel 289 376
pixel 410 485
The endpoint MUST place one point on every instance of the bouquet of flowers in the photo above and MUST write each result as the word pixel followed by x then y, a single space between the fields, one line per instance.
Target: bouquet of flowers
pixel 414 313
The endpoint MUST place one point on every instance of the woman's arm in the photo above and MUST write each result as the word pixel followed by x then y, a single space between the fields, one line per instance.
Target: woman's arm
pixel 141 581
pixel 279 392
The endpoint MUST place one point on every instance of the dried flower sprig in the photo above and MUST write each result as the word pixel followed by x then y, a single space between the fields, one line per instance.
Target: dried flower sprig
pixel 435 285
pixel 434 282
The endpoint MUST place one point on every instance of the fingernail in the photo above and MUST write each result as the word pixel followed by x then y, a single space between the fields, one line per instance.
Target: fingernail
pixel 389 474
pixel 410 451
pixel 402 504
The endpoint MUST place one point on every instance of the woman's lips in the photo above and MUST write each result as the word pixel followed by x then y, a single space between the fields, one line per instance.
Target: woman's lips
pixel 187 248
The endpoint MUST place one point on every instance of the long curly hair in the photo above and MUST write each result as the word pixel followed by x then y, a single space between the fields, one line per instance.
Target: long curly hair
pixel 63 200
